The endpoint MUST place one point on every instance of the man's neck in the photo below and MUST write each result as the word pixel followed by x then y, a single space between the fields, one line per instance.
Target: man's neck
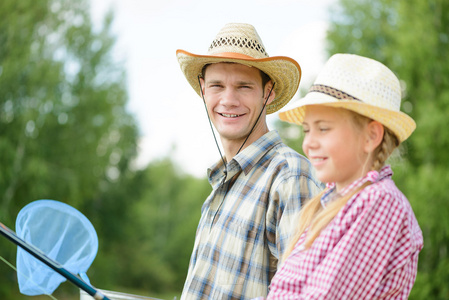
pixel 231 148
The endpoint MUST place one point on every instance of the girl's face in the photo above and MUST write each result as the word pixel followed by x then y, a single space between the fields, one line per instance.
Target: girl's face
pixel 334 145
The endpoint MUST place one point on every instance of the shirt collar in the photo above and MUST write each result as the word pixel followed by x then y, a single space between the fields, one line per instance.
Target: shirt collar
pixel 371 176
pixel 246 159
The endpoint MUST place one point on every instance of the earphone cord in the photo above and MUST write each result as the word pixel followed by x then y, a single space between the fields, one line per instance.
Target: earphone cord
pixel 213 132
pixel 212 128
pixel 257 120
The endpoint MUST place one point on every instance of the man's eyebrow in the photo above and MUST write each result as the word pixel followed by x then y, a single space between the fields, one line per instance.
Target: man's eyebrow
pixel 214 81
pixel 242 82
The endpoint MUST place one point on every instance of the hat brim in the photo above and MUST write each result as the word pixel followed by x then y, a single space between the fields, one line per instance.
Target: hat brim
pixel 398 122
pixel 284 71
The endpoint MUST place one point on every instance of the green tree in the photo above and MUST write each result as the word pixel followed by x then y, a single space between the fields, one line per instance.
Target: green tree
pixel 411 37
pixel 148 238
pixel 292 134
pixel 64 131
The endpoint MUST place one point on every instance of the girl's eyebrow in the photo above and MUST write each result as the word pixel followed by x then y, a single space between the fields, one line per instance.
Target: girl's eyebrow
pixel 318 122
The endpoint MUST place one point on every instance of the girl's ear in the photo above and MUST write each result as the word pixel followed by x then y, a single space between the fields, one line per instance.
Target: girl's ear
pixel 374 135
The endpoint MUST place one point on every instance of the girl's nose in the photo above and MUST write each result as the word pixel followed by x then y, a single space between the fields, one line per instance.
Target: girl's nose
pixel 309 142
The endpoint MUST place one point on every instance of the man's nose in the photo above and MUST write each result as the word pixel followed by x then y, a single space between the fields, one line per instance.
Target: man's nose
pixel 229 98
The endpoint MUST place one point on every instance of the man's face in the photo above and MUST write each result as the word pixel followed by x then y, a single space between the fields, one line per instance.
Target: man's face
pixel 234 98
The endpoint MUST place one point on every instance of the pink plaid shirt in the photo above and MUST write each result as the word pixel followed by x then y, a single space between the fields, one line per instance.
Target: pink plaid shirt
pixel 369 251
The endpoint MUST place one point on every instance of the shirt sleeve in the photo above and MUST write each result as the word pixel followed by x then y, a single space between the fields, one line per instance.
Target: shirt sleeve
pixel 286 200
pixel 370 252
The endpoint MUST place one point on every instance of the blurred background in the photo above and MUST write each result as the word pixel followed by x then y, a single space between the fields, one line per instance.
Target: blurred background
pixel 95 112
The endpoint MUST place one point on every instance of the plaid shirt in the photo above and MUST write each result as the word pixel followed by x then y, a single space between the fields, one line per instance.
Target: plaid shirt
pixel 369 251
pixel 246 219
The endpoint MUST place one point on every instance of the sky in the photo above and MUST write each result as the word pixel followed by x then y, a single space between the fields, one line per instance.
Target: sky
pixel 170 115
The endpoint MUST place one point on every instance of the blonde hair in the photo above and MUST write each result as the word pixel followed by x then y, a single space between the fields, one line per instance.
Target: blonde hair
pixel 314 218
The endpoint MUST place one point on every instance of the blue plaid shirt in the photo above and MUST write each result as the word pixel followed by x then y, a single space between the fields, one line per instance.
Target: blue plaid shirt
pixel 247 219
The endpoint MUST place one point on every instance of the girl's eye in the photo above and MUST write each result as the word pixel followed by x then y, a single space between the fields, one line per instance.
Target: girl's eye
pixel 324 129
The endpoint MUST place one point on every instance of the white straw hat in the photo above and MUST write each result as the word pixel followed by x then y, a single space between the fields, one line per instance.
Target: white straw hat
pixel 360 84
pixel 240 43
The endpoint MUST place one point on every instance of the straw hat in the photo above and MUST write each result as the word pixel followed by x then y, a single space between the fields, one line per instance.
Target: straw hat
pixel 240 43
pixel 359 84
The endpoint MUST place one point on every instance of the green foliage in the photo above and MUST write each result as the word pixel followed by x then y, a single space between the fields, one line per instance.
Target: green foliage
pixel 411 37
pixel 65 134
pixel 64 131
pixel 155 235
pixel 63 124
pixel 292 134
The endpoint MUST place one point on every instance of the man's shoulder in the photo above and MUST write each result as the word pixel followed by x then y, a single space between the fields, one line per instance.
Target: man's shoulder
pixel 290 161
pixel 283 152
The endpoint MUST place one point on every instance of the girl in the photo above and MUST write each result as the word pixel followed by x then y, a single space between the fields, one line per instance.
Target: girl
pixel 359 238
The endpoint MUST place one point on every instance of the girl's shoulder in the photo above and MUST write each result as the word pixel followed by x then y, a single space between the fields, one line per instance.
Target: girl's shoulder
pixel 382 188
pixel 383 200
pixel 381 195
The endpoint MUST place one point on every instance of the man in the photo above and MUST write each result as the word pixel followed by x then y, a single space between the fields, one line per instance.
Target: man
pixel 259 185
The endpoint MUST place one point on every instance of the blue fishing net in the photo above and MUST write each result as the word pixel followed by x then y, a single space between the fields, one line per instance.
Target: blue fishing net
pixel 63 234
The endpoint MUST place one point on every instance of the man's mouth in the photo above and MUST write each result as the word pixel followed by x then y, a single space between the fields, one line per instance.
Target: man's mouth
pixel 230 115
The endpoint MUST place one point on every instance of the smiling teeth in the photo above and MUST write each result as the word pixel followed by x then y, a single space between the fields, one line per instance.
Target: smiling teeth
pixel 229 116
pixel 318 159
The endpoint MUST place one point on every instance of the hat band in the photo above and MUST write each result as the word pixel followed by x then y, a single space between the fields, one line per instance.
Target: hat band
pixel 333 92
pixel 238 42
pixel 234 55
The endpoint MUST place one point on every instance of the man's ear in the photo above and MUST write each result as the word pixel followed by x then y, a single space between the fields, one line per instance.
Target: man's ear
pixel 268 88
pixel 374 135
pixel 202 83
